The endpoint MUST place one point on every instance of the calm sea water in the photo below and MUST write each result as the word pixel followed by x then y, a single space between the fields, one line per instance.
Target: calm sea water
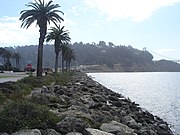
pixel 158 92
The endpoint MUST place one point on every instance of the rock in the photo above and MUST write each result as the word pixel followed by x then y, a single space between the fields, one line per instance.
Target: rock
pixel 147 131
pixel 64 99
pixel 50 132
pixel 98 116
pixel 28 132
pixel 59 92
pixel 96 106
pixel 74 133
pixel 164 131
pixel 4 134
pixel 106 107
pixel 115 127
pixel 51 88
pixel 92 131
pixel 36 91
pixel 98 98
pixel 113 98
pixel 87 99
pixel 71 124
pixel 77 108
pixel 84 89
pixel 44 89
pixel 131 122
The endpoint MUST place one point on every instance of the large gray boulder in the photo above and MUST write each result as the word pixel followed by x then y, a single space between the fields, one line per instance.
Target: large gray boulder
pixel 131 122
pixel 92 131
pixel 116 127
pixel 50 132
pixel 74 133
pixel 28 132
pixel 4 134
pixel 71 124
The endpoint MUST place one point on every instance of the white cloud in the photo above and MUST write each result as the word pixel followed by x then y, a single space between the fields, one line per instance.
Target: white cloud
pixel 137 10
pixel 12 34
pixel 74 10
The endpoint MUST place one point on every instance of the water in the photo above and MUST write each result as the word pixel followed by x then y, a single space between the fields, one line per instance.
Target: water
pixel 158 92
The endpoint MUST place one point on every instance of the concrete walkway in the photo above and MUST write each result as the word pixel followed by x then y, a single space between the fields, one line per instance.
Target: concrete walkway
pixel 12 76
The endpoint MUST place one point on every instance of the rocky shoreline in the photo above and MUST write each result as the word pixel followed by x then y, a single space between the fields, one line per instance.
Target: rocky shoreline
pixel 88 108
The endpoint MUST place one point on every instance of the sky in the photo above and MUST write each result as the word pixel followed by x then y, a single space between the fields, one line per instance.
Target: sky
pixel 154 24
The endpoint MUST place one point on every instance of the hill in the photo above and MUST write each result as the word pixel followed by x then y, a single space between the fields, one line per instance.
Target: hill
pixel 101 57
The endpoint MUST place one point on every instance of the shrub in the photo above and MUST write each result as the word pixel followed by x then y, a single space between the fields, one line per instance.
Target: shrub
pixel 44 99
pixel 2 98
pixel 26 115
pixel 63 78
pixel 37 81
pixel 15 90
pixel 21 90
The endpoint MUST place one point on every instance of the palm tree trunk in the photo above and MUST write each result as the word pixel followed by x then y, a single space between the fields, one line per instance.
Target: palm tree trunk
pixel 62 62
pixel 43 29
pixel 66 65
pixel 56 62
pixel 40 57
pixel 17 64
pixel 69 65
pixel 8 64
pixel 62 65
pixel 4 63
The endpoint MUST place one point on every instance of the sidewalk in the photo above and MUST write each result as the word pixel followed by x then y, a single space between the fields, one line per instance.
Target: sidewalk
pixel 11 76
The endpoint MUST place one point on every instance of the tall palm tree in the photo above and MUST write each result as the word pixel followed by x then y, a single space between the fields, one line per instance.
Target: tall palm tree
pixel 17 56
pixel 6 56
pixel 60 36
pixel 42 13
pixel 69 55
pixel 64 48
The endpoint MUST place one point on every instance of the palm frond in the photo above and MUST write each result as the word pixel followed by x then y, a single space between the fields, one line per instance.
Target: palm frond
pixel 40 11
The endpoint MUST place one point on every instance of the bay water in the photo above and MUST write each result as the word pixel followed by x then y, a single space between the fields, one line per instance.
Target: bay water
pixel 157 92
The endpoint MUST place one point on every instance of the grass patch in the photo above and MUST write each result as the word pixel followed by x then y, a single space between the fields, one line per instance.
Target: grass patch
pixel 2 98
pixel 26 115
pixel 15 90
pixel 63 78
pixel 6 76
pixel 37 81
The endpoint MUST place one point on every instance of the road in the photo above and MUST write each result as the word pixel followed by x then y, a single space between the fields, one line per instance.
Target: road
pixel 11 76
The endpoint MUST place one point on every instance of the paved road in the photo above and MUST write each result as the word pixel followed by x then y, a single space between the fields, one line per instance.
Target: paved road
pixel 13 76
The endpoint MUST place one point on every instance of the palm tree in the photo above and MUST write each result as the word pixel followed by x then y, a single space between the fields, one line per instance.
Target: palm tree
pixel 64 48
pixel 42 13
pixel 69 55
pixel 60 36
pixel 6 56
pixel 17 56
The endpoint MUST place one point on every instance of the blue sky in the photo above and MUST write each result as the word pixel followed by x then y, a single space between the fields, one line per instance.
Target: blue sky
pixel 154 24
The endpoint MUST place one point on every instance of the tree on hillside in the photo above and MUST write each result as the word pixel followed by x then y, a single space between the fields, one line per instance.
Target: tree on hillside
pixel 42 13
pixel 1 51
pixel 17 57
pixel 60 36
pixel 6 56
